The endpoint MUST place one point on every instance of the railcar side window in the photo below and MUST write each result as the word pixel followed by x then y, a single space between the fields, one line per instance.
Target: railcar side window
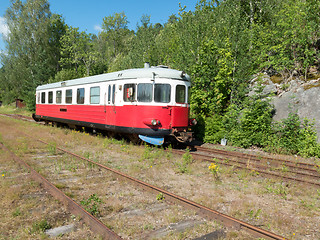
pixel 129 93
pixel 162 93
pixel 69 96
pixel 58 96
pixel 144 92
pixel 50 97
pixel 38 97
pixel 43 97
pixel 95 95
pixel 80 96
pixel 180 94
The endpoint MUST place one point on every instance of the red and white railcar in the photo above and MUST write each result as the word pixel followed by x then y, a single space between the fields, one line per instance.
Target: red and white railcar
pixel 149 102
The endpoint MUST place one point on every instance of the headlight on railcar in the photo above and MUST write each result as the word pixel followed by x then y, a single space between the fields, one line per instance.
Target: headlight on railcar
pixel 155 122
pixel 152 122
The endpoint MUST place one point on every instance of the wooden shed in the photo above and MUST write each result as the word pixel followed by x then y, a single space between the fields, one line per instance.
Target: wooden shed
pixel 20 103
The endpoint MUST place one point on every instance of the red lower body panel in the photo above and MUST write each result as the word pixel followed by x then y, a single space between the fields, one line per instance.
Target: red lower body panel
pixel 129 116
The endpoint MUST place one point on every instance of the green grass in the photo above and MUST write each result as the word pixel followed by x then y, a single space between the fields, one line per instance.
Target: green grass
pixel 7 109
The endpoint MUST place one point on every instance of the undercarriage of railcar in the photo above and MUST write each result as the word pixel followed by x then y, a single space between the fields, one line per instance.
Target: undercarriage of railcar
pixel 159 137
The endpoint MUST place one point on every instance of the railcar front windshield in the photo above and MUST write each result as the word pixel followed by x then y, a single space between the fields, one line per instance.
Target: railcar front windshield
pixel 162 93
pixel 159 93
pixel 145 92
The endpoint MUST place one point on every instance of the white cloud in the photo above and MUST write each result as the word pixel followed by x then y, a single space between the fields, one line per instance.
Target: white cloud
pixel 4 29
pixel 97 28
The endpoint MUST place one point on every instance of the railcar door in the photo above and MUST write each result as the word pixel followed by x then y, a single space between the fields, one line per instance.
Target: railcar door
pixel 180 112
pixel 110 106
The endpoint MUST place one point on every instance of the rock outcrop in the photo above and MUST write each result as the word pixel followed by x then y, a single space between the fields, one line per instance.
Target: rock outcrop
pixel 298 96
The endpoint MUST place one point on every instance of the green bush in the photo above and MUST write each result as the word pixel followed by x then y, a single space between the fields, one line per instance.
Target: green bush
pixel 214 129
pixel 308 145
pixel 250 124
pixel 294 136
pixel 242 126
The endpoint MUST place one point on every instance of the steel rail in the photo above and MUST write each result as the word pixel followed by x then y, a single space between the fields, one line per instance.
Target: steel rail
pixel 228 221
pixel 311 174
pixel 307 166
pixel 222 161
pixel 95 225
pixel 250 157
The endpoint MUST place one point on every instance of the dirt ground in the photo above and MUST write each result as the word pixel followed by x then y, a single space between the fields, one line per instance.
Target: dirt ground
pixel 286 208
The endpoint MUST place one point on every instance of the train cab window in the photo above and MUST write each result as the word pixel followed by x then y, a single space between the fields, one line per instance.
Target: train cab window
pixel 50 97
pixel 180 94
pixel 43 97
pixel 129 93
pixel 162 93
pixel 58 96
pixel 69 96
pixel 80 96
pixel 144 92
pixel 95 95
pixel 38 97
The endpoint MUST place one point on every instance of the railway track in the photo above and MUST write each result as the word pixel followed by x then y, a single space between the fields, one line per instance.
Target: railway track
pixel 97 226
pixel 171 197
pixel 270 166
pixel 280 168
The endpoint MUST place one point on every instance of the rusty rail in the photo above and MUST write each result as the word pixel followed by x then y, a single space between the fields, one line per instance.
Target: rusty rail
pixel 228 221
pixel 95 225
pixel 298 165
pixel 250 166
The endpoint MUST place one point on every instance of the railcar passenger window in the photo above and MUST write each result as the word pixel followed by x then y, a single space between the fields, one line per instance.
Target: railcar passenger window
pixel 38 97
pixel 144 92
pixel 43 97
pixel 58 96
pixel 162 93
pixel 50 97
pixel 129 92
pixel 69 96
pixel 180 94
pixel 80 96
pixel 95 95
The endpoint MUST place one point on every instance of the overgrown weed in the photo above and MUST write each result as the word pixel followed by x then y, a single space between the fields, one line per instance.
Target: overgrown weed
pixel 40 226
pixel 92 204
pixel 183 164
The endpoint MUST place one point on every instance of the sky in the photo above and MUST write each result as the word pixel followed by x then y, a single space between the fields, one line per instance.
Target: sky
pixel 88 15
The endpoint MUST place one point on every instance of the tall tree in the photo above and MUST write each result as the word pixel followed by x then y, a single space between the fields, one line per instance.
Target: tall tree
pixel 30 46
pixel 77 49
pixel 116 32
pixel 143 46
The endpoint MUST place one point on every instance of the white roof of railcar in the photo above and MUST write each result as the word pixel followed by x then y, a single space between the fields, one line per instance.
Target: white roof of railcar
pixel 151 72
